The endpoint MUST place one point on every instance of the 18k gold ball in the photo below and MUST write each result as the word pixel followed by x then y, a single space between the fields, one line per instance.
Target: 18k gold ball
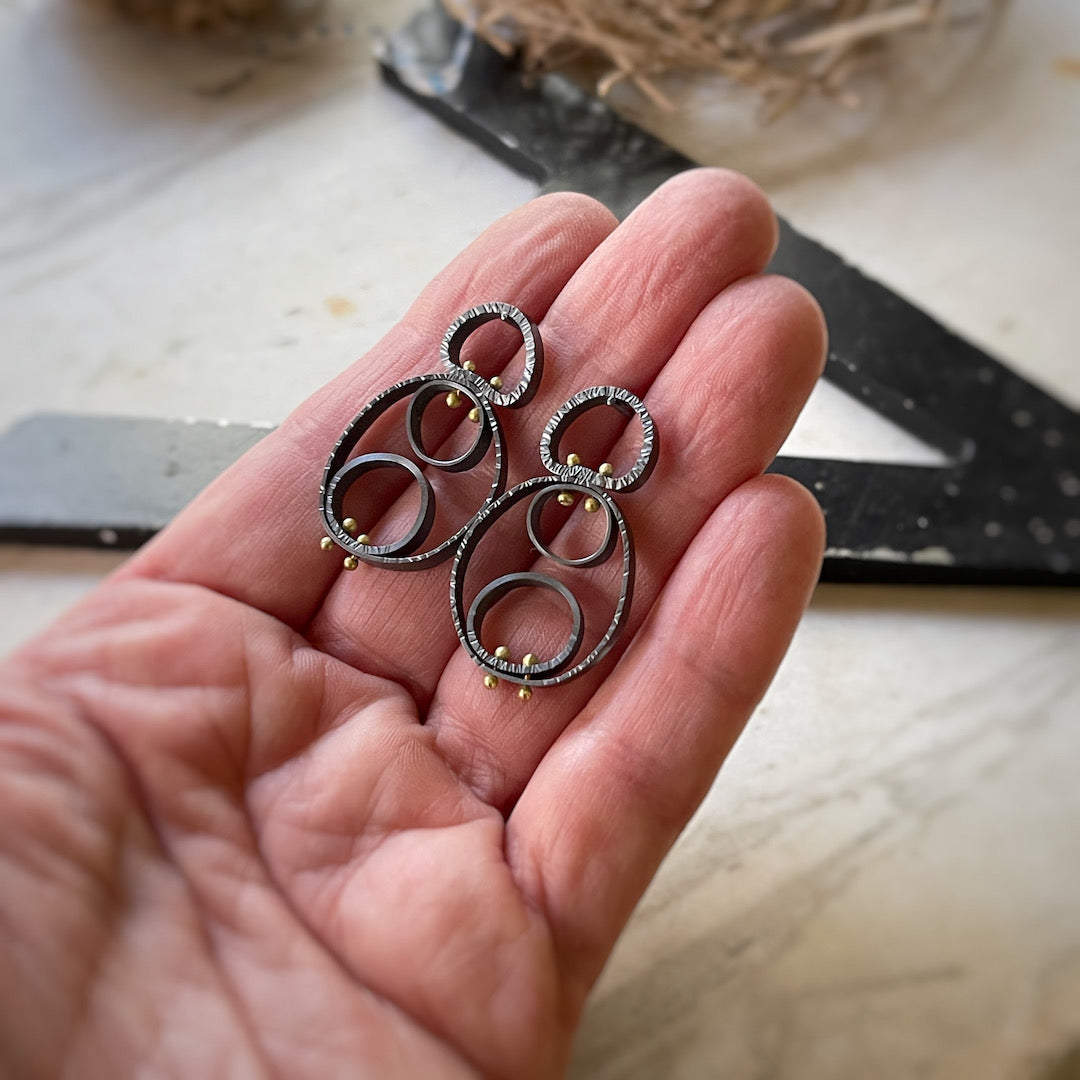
pixel 524 693
pixel 502 652
pixel 573 459
pixel 326 544
pixel 591 505
pixel 565 499
pixel 607 469
pixel 349 525
pixel 351 562
pixel 490 682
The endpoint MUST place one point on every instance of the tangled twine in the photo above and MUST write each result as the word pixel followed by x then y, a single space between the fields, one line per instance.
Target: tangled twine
pixel 780 48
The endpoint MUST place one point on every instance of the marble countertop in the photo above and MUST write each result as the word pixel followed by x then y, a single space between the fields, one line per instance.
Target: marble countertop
pixel 885 881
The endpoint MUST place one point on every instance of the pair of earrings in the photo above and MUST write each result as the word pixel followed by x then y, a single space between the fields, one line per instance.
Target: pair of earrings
pixel 568 479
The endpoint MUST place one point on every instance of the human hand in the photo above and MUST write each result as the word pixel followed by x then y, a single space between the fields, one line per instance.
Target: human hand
pixel 259 817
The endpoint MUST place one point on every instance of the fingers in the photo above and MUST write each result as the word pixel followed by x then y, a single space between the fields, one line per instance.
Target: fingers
pixel 617 787
pixel 621 317
pixel 254 533
pixel 722 406
pixel 618 320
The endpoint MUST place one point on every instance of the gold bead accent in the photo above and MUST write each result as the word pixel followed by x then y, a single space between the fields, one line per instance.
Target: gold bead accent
pixel 351 562
pixel 573 459
pixel 474 415
pixel 591 505
pixel 527 660
pixel 453 399
pixel 490 682
pixel 349 525
pixel 468 365
pixel 496 382
pixel 606 469
pixel 364 539
pixel 502 652
pixel 565 499
pixel 326 544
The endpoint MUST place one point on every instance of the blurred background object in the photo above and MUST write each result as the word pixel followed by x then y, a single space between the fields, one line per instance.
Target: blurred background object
pixel 776 83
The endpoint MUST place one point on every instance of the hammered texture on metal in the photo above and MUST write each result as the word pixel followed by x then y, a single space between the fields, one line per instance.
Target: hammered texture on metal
pixel 595 396
pixel 473 319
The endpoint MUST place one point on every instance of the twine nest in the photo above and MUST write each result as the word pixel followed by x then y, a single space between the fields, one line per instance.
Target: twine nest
pixel 779 48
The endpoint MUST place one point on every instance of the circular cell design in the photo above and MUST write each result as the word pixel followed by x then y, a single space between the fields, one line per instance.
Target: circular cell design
pixel 460 384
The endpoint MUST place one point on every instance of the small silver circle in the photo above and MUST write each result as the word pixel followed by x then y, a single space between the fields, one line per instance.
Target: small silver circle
pixel 492 593
pixel 415 421
pixel 536 508
pixel 348 475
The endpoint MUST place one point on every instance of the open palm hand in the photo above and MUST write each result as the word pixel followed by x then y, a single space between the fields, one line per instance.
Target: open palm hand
pixel 259 817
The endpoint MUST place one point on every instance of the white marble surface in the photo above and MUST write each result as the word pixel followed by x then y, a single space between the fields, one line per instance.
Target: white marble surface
pixel 885 883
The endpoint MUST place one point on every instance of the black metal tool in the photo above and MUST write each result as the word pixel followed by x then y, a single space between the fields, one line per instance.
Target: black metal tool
pixel 1004 510
pixel 108 481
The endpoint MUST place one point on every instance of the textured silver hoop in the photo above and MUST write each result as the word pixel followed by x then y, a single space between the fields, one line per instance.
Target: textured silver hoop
pixel 596 396
pixel 473 319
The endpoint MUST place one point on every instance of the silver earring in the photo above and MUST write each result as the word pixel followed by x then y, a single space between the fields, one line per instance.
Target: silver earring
pixel 458 387
pixel 568 481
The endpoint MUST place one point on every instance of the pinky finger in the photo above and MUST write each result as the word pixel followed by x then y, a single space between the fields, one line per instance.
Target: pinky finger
pixel 613 793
